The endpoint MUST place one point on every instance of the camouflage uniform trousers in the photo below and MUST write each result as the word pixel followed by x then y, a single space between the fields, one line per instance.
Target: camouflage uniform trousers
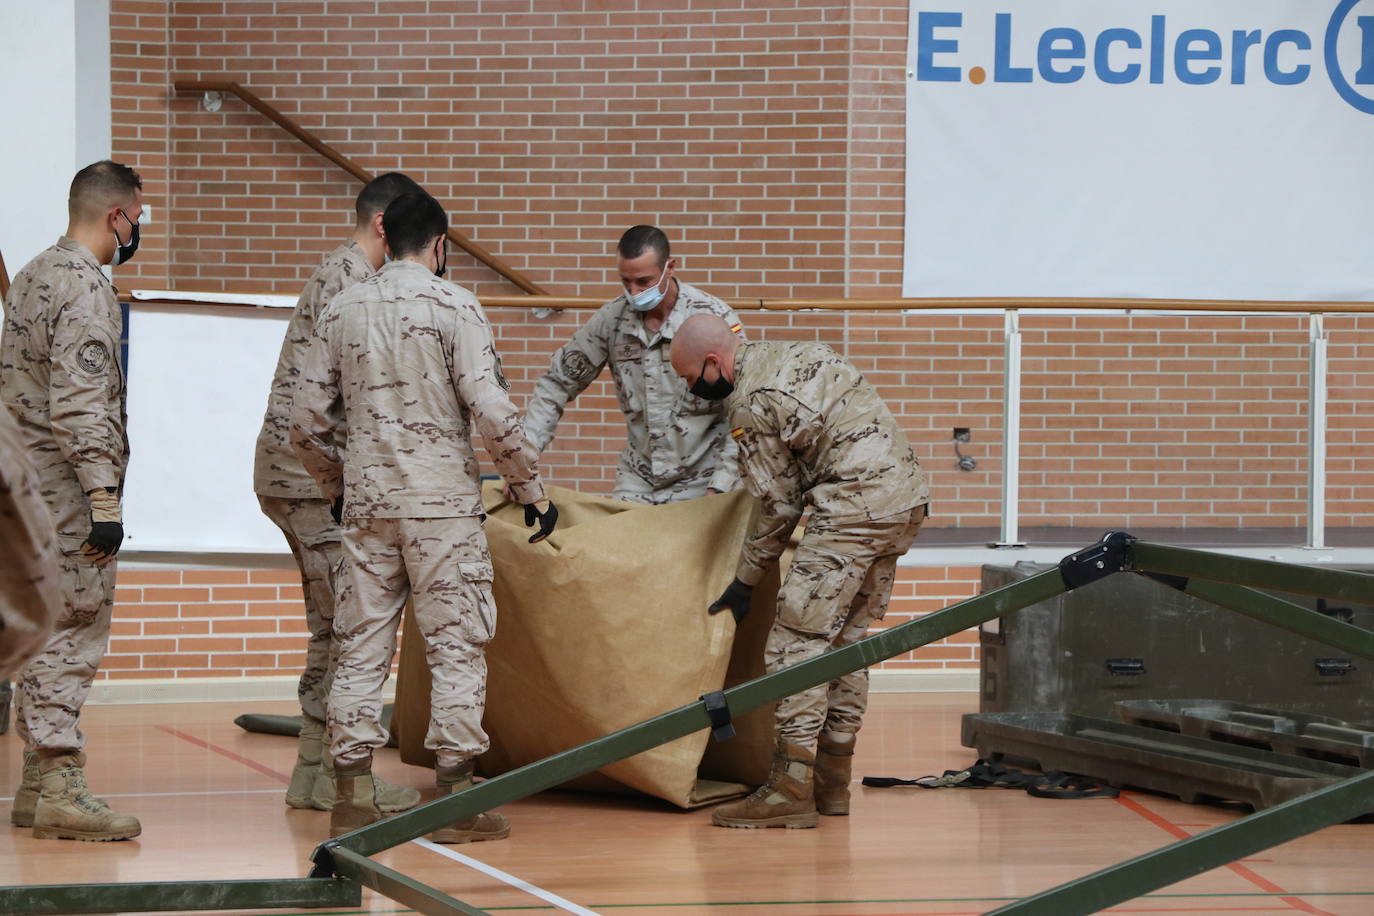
pixel 53 686
pixel 443 565
pixel 839 584
pixel 314 540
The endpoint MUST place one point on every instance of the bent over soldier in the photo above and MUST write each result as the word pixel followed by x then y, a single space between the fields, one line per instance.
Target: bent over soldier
pixel 406 362
pixel 811 431
pixel 289 497
pixel 676 444
pixel 60 376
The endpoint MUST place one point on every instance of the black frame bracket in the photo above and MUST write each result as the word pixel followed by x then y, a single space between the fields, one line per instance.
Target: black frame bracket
pixel 1110 555
pixel 718 709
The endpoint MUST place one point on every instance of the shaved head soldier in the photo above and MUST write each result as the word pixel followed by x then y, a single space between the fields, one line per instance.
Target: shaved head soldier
pixel 290 498
pixel 407 363
pixel 811 431
pixel 676 446
pixel 60 376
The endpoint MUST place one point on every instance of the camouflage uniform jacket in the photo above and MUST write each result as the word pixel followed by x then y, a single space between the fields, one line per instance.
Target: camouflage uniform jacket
pixel 811 429
pixel 59 370
pixel 672 435
pixel 30 597
pixel 407 362
pixel 276 470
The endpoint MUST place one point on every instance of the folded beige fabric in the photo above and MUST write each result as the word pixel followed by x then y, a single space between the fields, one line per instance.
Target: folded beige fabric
pixel 604 625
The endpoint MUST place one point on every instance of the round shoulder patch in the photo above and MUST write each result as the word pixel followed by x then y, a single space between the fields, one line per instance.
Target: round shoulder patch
pixel 93 357
pixel 578 367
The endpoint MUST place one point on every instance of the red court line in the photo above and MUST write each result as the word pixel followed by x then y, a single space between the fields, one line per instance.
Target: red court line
pixel 223 752
pixel 1259 881
pixel 1189 911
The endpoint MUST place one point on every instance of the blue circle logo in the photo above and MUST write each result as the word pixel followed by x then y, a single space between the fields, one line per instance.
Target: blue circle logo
pixel 1333 64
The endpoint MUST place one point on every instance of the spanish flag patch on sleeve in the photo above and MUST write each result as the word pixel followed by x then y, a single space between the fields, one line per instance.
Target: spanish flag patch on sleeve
pixel 737 432
pixel 735 328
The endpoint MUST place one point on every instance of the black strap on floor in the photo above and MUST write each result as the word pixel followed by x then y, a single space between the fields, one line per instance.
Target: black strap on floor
pixel 985 774
pixel 719 711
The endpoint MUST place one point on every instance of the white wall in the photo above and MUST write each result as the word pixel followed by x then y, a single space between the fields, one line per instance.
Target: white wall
pixel 55 101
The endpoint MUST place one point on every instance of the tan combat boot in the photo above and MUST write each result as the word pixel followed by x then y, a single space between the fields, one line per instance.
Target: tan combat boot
pixel 785 800
pixel 489 825
pixel 834 770
pixel 26 796
pixel 66 810
pixel 390 797
pixel 355 803
pixel 306 772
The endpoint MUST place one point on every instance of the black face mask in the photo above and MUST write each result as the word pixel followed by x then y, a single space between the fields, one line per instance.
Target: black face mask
pixel 125 251
pixel 718 390
pixel 441 251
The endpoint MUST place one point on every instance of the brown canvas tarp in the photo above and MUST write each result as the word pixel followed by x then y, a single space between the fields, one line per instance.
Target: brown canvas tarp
pixel 604 625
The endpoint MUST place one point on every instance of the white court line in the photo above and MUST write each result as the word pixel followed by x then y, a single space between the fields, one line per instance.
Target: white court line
pixel 4 798
pixel 513 881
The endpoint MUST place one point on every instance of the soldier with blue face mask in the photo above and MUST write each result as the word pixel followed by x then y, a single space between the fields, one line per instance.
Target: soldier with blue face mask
pixel 677 444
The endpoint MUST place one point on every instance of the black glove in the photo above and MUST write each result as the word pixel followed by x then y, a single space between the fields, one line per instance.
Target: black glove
pixel 737 598
pixel 547 519
pixel 336 510
pixel 103 542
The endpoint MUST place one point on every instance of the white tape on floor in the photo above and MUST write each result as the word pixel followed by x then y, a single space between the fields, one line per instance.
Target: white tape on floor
pixel 4 798
pixel 513 881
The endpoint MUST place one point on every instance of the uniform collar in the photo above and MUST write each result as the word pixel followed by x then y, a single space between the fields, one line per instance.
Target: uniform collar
pixel 67 243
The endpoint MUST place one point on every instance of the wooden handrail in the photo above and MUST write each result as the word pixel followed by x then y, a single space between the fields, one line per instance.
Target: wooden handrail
pixel 1031 304
pixel 4 278
pixel 352 168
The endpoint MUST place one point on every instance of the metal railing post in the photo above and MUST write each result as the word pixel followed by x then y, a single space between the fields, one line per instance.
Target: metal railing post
pixel 1316 432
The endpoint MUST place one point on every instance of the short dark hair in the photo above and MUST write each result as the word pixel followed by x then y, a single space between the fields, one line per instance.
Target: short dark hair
pixel 381 191
pixel 99 186
pixel 639 239
pixel 411 222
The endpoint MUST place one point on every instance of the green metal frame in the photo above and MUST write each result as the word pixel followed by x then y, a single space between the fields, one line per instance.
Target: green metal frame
pixel 343 864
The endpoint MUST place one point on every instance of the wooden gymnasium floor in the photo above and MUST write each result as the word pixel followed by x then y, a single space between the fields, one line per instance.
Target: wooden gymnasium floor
pixel 210 798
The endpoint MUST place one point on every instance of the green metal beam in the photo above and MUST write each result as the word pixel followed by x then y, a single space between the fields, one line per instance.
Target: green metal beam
pixel 1195 855
pixel 160 896
pixel 404 889
pixel 1283 577
pixel 559 768
pixel 1286 615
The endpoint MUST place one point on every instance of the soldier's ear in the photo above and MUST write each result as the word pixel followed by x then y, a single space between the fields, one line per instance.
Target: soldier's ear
pixel 377 224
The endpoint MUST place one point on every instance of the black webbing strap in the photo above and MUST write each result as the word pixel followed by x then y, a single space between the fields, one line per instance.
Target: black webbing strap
pixel 719 711
pixel 987 775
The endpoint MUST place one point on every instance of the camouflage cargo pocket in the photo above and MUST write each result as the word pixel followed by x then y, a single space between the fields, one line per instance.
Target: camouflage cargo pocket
pixel 479 617
pixel 816 595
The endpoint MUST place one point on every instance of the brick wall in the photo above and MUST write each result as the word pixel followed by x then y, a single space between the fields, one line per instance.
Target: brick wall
pixel 767 137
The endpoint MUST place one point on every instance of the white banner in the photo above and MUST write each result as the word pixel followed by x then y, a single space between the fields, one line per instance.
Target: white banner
pixel 1213 149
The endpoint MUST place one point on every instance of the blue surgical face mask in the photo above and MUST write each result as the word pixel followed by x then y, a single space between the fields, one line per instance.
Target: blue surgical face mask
pixel 648 299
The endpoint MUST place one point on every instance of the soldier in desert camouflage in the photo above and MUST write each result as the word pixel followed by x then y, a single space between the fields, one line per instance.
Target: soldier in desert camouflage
pixel 30 586
pixel 290 498
pixel 811 431
pixel 406 361
pixel 60 376
pixel 676 444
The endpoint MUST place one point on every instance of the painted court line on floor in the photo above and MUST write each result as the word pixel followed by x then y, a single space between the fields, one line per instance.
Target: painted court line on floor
pixel 238 758
pixel 4 798
pixel 520 883
pixel 1248 874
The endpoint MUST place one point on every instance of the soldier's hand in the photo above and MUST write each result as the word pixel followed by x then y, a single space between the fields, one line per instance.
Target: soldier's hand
pixel 107 527
pixel 336 510
pixel 737 597
pixel 544 512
